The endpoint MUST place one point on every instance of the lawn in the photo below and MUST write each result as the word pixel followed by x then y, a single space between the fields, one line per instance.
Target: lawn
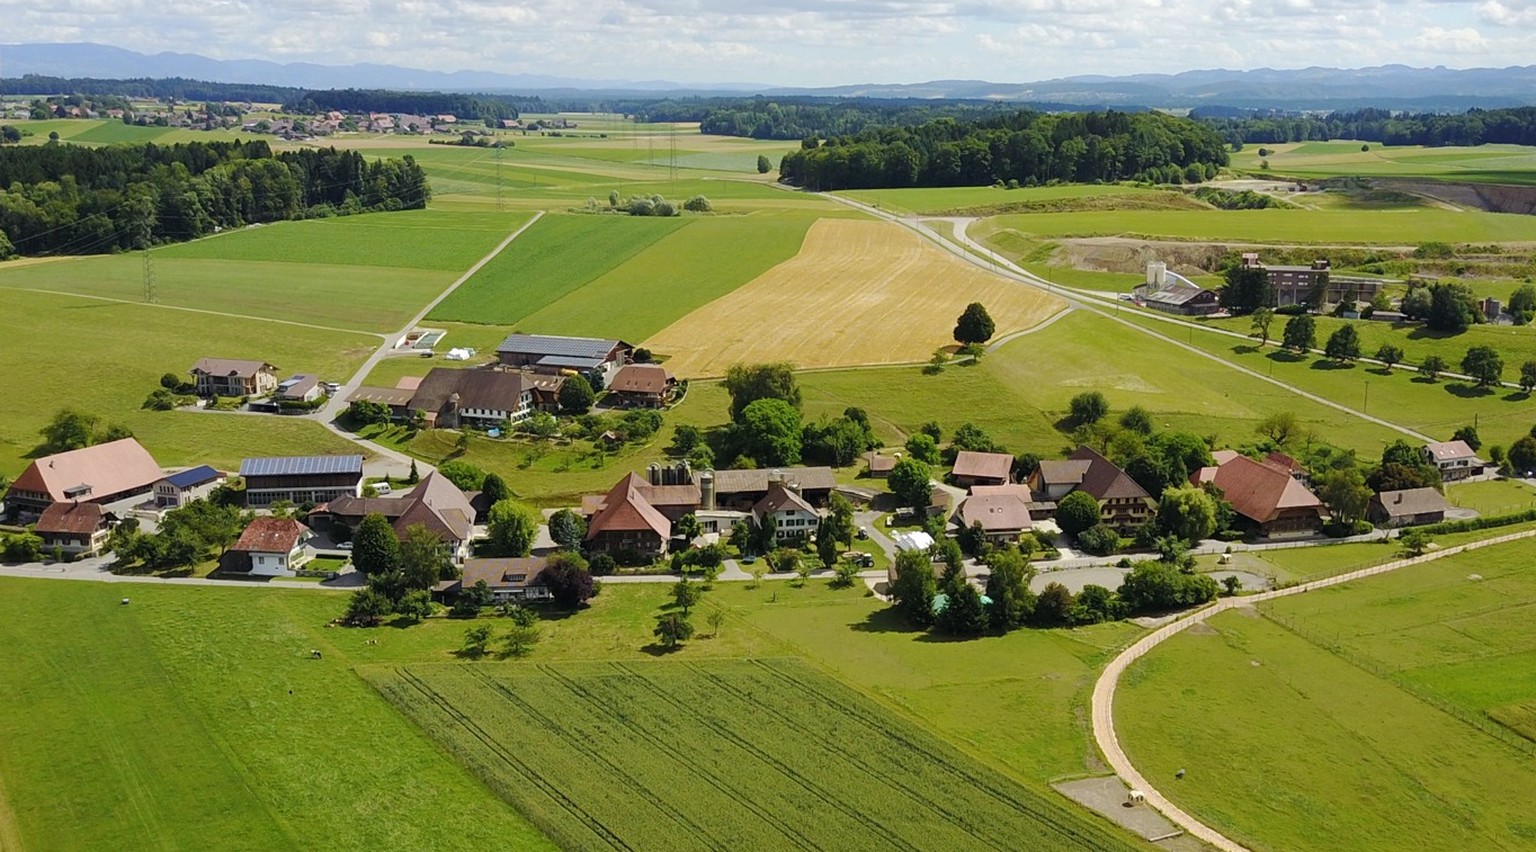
pixel 1374 227
pixel 56 341
pixel 687 740
pixel 1492 497
pixel 196 718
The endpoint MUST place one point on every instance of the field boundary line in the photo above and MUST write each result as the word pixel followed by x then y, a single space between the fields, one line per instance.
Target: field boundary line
pixel 10 833
pixel 192 310
pixel 1104 689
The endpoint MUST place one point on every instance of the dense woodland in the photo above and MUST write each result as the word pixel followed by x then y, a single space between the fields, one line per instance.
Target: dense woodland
pixel 472 107
pixel 1515 126
pixel 824 118
pixel 1025 147
pixel 71 199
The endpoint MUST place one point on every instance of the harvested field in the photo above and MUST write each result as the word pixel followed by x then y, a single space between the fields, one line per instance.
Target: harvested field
pixel 858 292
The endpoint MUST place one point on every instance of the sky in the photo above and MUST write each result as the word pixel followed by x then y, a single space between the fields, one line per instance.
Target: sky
pixel 802 42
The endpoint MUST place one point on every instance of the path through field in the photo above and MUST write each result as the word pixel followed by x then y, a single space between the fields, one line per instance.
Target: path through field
pixel 857 293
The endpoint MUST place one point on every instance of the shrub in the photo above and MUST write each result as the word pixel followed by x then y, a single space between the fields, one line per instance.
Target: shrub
pixel 698 204
pixel 1099 540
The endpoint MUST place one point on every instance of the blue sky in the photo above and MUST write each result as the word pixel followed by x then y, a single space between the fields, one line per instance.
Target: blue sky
pixel 803 42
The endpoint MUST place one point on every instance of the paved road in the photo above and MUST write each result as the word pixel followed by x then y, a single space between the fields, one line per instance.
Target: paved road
pixel 99 574
pixel 1103 703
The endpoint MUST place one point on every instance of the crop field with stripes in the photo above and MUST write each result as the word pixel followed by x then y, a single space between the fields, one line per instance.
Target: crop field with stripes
pixel 734 754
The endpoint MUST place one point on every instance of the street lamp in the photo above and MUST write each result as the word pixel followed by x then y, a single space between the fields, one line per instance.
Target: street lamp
pixel 1367 397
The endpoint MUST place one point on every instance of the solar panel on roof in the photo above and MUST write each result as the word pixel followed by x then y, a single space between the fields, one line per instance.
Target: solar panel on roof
pixel 570 347
pixel 301 465
pixel 195 476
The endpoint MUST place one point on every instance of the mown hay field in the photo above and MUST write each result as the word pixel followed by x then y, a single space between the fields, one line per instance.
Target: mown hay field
pixel 736 754
pixel 858 292
pixel 1483 164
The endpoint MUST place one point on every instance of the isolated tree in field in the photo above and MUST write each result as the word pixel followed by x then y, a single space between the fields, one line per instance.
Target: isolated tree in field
pixel 1528 376
pixel 569 582
pixel 764 165
pixel 1263 318
pixel 375 547
pixel 568 529
pixel 1300 333
pixel 698 204
pixel 1138 420
pixel 975 325
pixel 1088 408
pixel 909 480
pixel 1188 513
pixel 576 395
pixel 1483 364
pixel 686 595
pixel 1343 345
pixel 519 639
pixel 748 383
pixel 1469 435
pixel 366 608
pixel 1008 586
pixel 1414 541
pixel 1432 367
pixel 1077 512
pixel 475 641
pixel 923 448
pixel 1522 302
pixel 1247 289
pixel 1522 455
pixel 672 630
pixel 512 528
pixel 913 589
pixel 1389 355
pixel 715 620
pixel 1282 427
pixel 415 606
pixel 1345 493
pixel 770 431
pixel 424 559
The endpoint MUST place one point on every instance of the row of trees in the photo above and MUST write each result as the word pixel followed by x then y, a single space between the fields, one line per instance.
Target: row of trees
pixel 1512 126
pixel 72 199
pixel 1025 147
pixel 1483 364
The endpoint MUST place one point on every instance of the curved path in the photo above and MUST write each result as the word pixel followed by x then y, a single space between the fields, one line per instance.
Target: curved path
pixel 1103 702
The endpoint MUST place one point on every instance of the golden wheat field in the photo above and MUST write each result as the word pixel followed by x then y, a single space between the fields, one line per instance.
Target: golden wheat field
pixel 858 292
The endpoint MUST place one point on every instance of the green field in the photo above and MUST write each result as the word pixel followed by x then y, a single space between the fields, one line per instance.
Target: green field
pixel 1407 227
pixel 105 358
pixel 929 201
pixel 1351 728
pixel 1494 497
pixel 693 746
pixel 1482 164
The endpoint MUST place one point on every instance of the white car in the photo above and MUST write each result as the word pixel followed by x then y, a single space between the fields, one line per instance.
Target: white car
pixel 346 545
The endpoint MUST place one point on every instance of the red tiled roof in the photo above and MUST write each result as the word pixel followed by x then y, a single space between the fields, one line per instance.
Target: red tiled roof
pixel 1257 491
pixel 82 519
pixel 983 465
pixel 625 509
pixel 1447 450
pixel 996 512
pixel 641 378
pixel 1104 480
pixel 110 468
pixel 270 535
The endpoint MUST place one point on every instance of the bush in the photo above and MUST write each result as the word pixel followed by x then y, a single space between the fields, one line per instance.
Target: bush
pixel 698 204
pixel 1475 524
pixel 1077 512
pixel 1099 540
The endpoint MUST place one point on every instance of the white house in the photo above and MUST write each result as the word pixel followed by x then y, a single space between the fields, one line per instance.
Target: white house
pixel 181 488
pixel 274 547
pixel 793 517
pixel 1454 459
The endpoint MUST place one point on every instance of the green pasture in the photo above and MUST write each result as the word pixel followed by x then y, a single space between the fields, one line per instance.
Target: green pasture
pixel 196 718
pixel 105 358
pixel 1492 497
pixel 1482 164
pixel 929 201
pixel 560 254
pixel 1407 227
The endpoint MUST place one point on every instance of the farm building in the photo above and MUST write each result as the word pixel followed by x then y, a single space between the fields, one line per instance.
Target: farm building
pixel 1002 517
pixel 1123 504
pixel 233 377
pixel 76 529
pixel 301 479
pixel 1407 508
pixel 101 473
pixel 514 579
pixel 1454 459
pixel 742 489
pixel 434 503
pixel 877 466
pixel 1314 284
pixel 625 521
pixel 1172 293
pixel 1272 501
pixel 595 358
pixel 642 386
pixel 270 547
pixel 183 487
pixel 396 399
pixel 973 468
pixel 450 398
pixel 300 387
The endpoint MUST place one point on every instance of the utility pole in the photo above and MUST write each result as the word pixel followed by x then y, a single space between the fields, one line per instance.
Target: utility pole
pixel 501 206
pixel 150 296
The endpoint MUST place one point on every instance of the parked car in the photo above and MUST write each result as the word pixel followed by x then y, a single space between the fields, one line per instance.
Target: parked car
pixel 382 488
pixel 346 545
pixel 862 533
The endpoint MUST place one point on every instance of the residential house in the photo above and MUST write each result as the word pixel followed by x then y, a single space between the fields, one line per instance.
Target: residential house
pixel 1268 498
pixel 1123 504
pixel 101 473
pixel 300 387
pixel 642 386
pixel 75 529
pixel 1054 479
pixel 1454 459
pixel 301 479
pixel 599 360
pixel 1410 507
pixel 233 377
pixel 742 489
pixel 877 466
pixel 271 547
pixel 434 503
pixel 1002 515
pixel 450 399
pixel 973 468
pixel 1173 293
pixel 793 518
pixel 183 487
pixel 514 579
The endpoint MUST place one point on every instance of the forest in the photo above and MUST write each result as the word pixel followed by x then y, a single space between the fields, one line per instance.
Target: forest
pixel 1512 126
pixel 1021 148
pixel 472 107
pixel 71 199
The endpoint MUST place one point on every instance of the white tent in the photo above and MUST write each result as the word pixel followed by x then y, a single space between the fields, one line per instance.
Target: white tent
pixel 912 540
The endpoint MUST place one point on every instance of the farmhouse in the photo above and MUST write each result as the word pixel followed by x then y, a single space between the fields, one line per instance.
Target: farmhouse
pixel 233 377
pixel 271 547
pixel 101 473
pixel 181 488
pixel 398 400
pixel 450 398
pixel 1273 502
pixel 301 479
pixel 77 529
pixel 1053 479
pixel 434 503
pixel 1173 293
pixel 514 579
pixel 594 358
pixel 625 521
pixel 742 489
pixel 793 518
pixel 1407 508
pixel 1123 504
pixel 1313 285
pixel 642 386
pixel 1454 459
pixel 973 468
pixel 1002 516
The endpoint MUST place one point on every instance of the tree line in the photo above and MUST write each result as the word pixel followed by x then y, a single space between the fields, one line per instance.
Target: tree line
pixel 69 199
pixel 1019 148
pixel 473 107
pixel 1512 126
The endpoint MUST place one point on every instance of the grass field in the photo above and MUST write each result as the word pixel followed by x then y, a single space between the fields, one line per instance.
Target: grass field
pixel 1494 497
pixel 862 293
pixel 694 744
pixel 125 348
pixel 195 718
pixel 1481 164
pixel 1407 227
pixel 929 201
pixel 1350 730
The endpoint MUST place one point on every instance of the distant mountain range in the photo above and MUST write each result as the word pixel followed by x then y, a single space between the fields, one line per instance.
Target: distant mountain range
pixel 1394 86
